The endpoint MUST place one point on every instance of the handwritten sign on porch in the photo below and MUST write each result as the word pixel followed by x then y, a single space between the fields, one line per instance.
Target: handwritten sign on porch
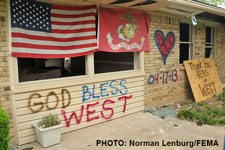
pixel 203 77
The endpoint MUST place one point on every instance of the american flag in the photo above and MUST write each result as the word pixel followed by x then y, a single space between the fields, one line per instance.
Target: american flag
pixel 41 30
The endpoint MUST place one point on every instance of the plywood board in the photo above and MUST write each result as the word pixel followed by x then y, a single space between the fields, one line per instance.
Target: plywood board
pixel 203 77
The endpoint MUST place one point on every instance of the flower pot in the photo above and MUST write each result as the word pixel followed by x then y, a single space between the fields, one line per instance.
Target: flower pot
pixel 48 136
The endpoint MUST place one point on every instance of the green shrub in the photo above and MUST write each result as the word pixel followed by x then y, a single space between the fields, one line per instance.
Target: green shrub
pixel 49 121
pixel 188 115
pixel 222 96
pixel 4 130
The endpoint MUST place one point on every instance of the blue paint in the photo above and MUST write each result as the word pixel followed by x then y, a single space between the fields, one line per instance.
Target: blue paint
pixel 151 79
pixel 164 76
pixel 93 92
pixel 121 84
pixel 156 32
pixel 103 89
pixel 85 92
pixel 172 76
pixel 117 90
pixel 106 89
pixel 194 20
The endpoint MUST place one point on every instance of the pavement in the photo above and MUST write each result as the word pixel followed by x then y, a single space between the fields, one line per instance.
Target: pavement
pixel 141 131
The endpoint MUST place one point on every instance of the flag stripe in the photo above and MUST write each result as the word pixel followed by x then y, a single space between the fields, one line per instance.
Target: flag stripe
pixel 47 38
pixel 72 31
pixel 73 27
pixel 73 19
pixel 56 35
pixel 64 12
pixel 43 42
pixel 46 51
pixel 77 8
pixel 72 15
pixel 51 47
pixel 73 23
pixel 33 55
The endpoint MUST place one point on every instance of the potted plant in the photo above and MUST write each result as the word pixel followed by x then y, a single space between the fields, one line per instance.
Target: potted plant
pixel 48 130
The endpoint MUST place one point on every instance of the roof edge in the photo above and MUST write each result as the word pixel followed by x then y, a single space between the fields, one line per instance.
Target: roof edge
pixel 201 6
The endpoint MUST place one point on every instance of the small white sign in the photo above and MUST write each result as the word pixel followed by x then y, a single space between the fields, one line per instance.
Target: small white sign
pixel 194 21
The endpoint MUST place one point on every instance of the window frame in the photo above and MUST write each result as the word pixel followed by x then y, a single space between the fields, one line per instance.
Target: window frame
pixel 190 42
pixel 136 64
pixel 43 80
pixel 66 81
pixel 212 42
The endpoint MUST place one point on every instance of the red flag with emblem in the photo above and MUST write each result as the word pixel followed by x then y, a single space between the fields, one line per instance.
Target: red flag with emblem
pixel 123 30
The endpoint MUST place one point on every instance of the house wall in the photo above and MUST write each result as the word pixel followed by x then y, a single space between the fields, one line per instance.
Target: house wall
pixel 200 36
pixel 112 95
pixel 67 98
pixel 5 92
pixel 220 52
pixel 161 93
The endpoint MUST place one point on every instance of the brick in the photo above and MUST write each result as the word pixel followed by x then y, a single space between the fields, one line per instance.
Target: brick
pixel 153 61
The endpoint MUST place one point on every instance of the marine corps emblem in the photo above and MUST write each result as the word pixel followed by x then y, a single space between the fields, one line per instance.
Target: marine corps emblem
pixel 127 31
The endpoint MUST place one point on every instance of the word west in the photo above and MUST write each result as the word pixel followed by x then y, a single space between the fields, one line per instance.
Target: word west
pixel 41 104
pixel 207 88
pixel 91 113
pixel 163 78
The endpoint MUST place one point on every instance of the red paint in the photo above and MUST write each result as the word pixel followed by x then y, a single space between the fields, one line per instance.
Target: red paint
pixel 78 120
pixel 107 108
pixel 165 43
pixel 125 101
pixel 157 78
pixel 91 112
pixel 175 75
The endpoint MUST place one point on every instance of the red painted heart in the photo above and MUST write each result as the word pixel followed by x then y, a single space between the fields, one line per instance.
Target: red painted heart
pixel 165 44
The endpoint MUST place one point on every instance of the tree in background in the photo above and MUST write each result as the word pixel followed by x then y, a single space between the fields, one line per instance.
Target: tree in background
pixel 219 3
